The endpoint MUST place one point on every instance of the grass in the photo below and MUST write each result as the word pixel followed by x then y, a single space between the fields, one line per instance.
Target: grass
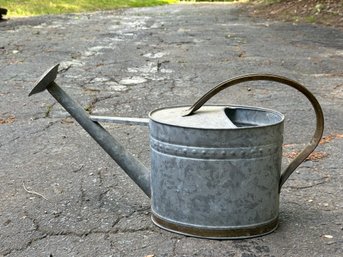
pixel 40 7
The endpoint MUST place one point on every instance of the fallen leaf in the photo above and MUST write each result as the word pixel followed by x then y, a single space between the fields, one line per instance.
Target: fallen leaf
pixel 317 156
pixel 329 138
pixel 291 155
pixel 67 120
pixel 288 145
pixel 313 156
pixel 8 120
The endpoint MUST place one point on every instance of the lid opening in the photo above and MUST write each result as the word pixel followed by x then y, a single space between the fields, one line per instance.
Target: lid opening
pixel 245 117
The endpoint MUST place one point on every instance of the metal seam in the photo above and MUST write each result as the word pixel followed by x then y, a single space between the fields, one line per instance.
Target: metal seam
pixel 214 153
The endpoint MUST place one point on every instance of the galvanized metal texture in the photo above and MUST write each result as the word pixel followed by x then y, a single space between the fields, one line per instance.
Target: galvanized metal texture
pixel 217 183
pixel 240 232
pixel 206 182
pixel 133 168
pixel 283 80
pixel 208 117
pixel 44 81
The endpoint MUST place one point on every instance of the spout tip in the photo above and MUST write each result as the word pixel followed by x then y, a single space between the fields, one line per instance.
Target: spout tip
pixel 43 82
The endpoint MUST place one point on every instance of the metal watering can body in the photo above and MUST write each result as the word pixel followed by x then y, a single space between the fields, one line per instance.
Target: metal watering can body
pixel 217 182
pixel 215 170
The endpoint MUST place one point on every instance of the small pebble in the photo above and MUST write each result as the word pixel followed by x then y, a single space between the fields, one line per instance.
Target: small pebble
pixel 328 236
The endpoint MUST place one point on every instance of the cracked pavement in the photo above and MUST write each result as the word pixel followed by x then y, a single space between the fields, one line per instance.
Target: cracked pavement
pixel 61 195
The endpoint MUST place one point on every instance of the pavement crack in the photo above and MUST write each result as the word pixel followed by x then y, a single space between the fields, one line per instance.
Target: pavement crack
pixel 31 240
pixel 116 222
pixel 90 107
pixel 173 86
pixel 131 230
pixel 176 241
pixel 82 198
pixel 101 197
pixel 99 173
pixel 10 141
pixel 324 180
pixel 46 127
pixel 30 134
pixel 49 109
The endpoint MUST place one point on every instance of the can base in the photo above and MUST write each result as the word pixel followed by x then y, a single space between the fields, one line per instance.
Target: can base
pixel 212 233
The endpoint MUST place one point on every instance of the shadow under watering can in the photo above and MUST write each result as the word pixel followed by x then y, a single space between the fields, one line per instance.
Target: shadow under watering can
pixel 215 169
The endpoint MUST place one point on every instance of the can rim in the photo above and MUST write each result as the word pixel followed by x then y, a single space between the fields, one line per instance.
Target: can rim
pixel 281 116
pixel 217 233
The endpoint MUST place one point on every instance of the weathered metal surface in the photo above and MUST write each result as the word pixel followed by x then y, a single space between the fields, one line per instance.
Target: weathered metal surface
pixel 217 183
pixel 44 81
pixel 208 117
pixel 283 80
pixel 216 174
pixel 133 168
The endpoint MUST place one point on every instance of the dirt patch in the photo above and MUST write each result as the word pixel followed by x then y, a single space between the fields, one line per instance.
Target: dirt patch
pixel 8 119
pixel 330 137
pixel 325 12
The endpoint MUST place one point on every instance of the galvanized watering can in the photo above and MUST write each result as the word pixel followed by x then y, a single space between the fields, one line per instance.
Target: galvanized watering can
pixel 215 170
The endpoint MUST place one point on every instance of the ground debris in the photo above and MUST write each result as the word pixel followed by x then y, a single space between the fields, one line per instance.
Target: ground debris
pixel 330 137
pixel 326 12
pixel 33 192
pixel 9 119
pixel 316 155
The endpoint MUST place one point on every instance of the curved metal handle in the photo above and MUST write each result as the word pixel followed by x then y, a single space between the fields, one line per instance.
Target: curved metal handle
pixel 253 77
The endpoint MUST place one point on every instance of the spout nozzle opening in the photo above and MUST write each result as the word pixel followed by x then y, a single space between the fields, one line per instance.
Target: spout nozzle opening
pixel 45 80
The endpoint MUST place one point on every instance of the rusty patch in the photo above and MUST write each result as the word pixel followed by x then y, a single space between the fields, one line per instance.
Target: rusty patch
pixel 317 156
pixel 291 155
pixel 7 120
pixel 329 138
pixel 313 156
pixel 289 145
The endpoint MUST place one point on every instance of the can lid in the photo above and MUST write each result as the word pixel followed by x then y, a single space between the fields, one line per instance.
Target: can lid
pixel 206 117
pixel 217 117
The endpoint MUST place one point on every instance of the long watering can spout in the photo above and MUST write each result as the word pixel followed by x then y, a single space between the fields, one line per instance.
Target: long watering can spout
pixel 133 168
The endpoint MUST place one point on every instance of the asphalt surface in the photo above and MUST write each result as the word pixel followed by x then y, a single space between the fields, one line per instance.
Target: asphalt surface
pixel 61 195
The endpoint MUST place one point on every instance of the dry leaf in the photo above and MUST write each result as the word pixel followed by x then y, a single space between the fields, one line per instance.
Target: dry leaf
pixel 67 120
pixel 8 120
pixel 291 155
pixel 317 156
pixel 289 145
pixel 329 138
pixel 313 156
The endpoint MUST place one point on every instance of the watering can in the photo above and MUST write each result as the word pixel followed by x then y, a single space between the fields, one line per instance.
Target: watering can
pixel 215 169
